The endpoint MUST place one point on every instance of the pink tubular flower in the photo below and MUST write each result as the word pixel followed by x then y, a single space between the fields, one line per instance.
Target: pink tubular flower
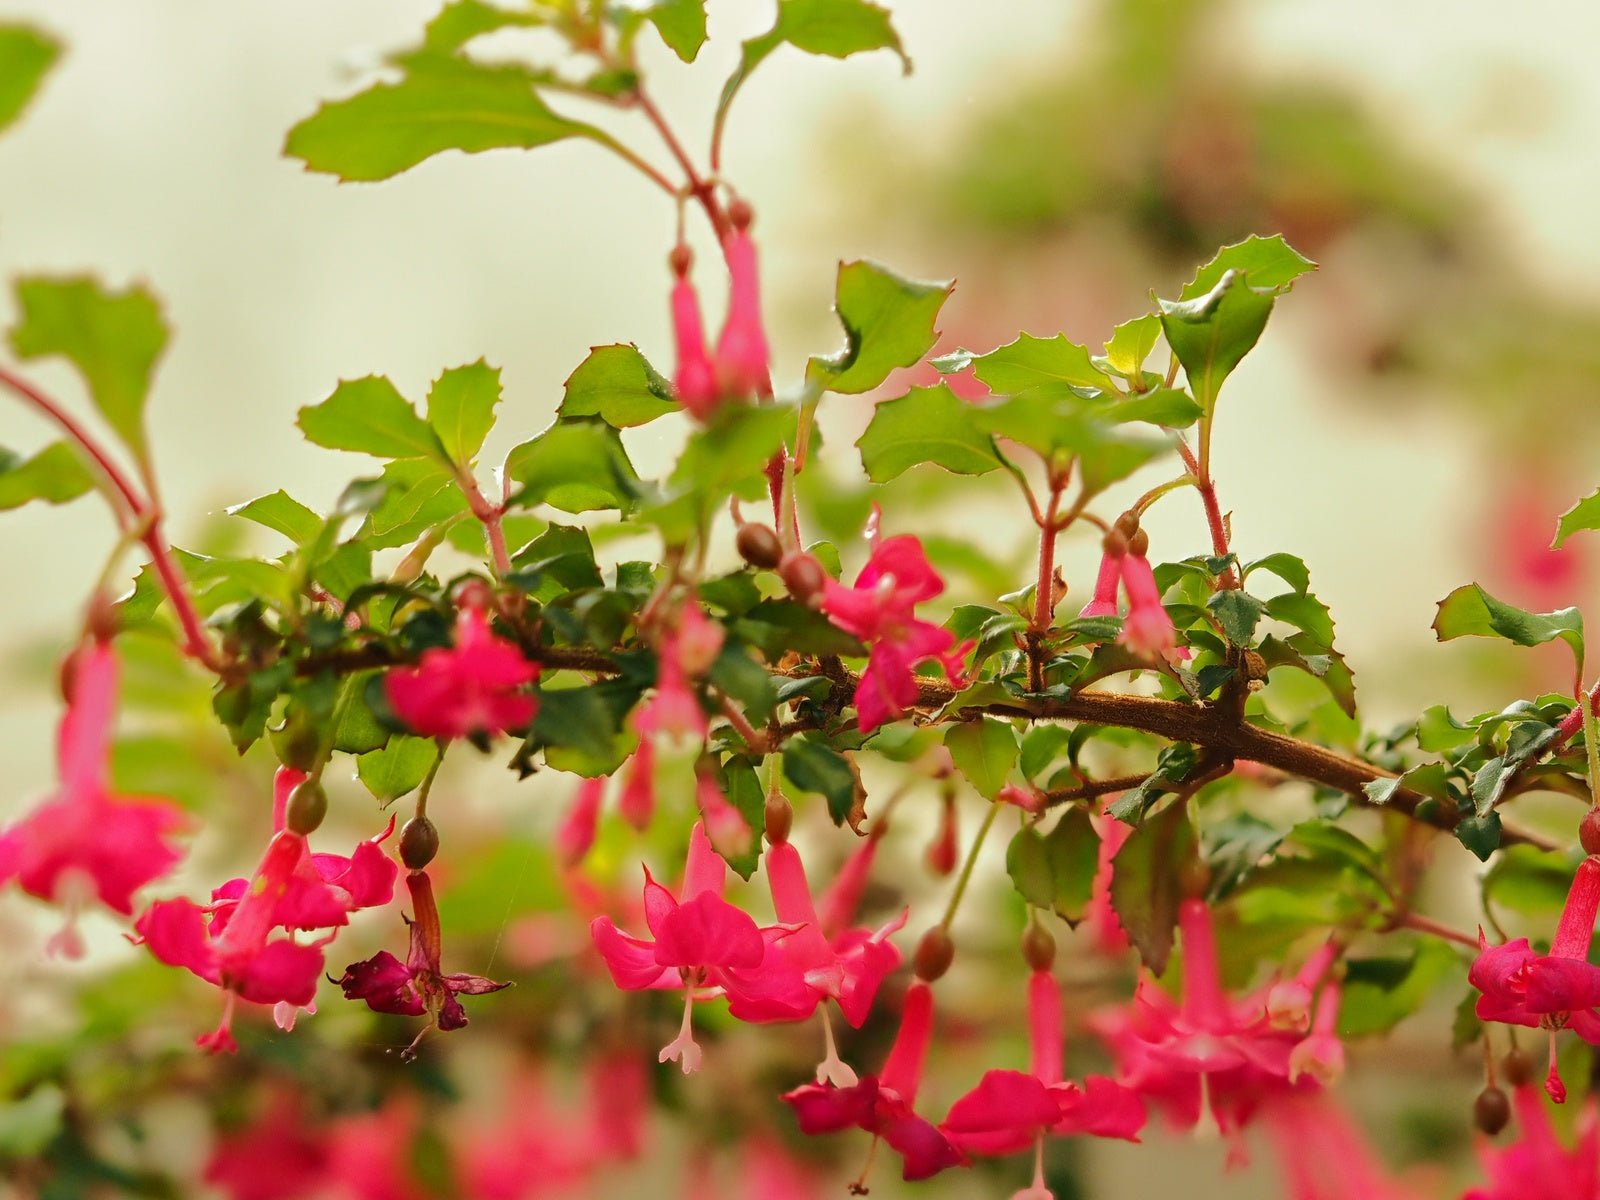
pixel 1538 1165
pixel 419 985
pixel 577 832
pixel 742 353
pixel 1104 603
pixel 1554 991
pixel 882 1104
pixel 704 945
pixel 85 841
pixel 1109 936
pixel 1321 1055
pixel 683 652
pixel 474 687
pixel 880 610
pixel 1324 1156
pixel 1147 630
pixel 725 825
pixel 695 380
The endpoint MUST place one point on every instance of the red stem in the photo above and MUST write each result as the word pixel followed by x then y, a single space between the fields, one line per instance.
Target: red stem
pixel 1573 721
pixel 699 188
pixel 138 512
pixel 1043 609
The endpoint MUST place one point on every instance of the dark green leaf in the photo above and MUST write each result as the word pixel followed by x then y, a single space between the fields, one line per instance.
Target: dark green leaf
pixel 888 323
pixel 1286 567
pixel 1480 834
pixel 984 751
pixel 370 416
pixel 1529 881
pixel 616 384
pixel 398 767
pixel 1238 613
pixel 461 409
pixel 736 674
pixel 442 103
pixel 813 766
pixel 1469 611
pixel 1172 767
pixel 1304 612
pixel 1379 993
pixel 742 786
pixel 575 466
pixel 25 56
pixel 1056 871
pixel 1064 426
pixel 1144 882
pixel 55 475
pixel 926 425
pixel 112 338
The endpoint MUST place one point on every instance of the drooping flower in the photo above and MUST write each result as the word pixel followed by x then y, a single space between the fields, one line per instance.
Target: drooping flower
pixel 637 803
pixel 883 1104
pixel 695 380
pixel 86 842
pixel 880 610
pixel 1109 936
pixel 1537 1164
pixel 1147 629
pixel 577 831
pixel 743 357
pixel 1321 1054
pixel 1104 603
pixel 1554 991
pixel 1325 1157
pixel 706 946
pixel 473 687
pixel 725 825
pixel 419 985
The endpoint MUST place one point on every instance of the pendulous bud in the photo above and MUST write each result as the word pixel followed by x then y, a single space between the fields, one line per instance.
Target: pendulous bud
pixel 1038 947
pixel 758 545
pixel 680 260
pixel 419 842
pixel 1139 543
pixel 1491 1110
pixel 1127 524
pixel 1517 1067
pixel 740 214
pixel 308 805
pixel 803 576
pixel 779 817
pixel 934 954
pixel 1589 831
pixel 474 593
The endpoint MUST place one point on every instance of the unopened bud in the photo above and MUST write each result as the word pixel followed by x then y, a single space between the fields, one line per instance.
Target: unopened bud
pixel 934 954
pixel 1517 1068
pixel 1114 544
pixel 1589 831
pixel 680 260
pixel 1491 1110
pixel 1127 524
pixel 474 593
pixel 803 576
pixel 1038 947
pixel 308 804
pixel 419 842
pixel 1139 543
pixel 740 214
pixel 779 818
pixel 758 545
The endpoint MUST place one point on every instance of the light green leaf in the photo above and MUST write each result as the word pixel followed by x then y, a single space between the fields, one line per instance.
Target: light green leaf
pixel 55 475
pixel 888 323
pixel 1469 611
pixel 283 514
pixel 681 24
pixel 1287 567
pixel 461 407
pixel 1212 333
pixel 618 385
pixel 1169 407
pixel 1057 426
pixel 370 416
pixel 1585 514
pixel 984 751
pixel 458 22
pixel 112 338
pixel 1268 262
pixel 926 425
pixel 398 767
pixel 25 56
pixel 441 104
pixel 1032 365
pixel 575 466
pixel 414 494
pixel 1131 343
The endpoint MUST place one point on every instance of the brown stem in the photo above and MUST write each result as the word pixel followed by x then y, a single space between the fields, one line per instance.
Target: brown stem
pixel 1093 789
pixel 757 741
pixel 1426 925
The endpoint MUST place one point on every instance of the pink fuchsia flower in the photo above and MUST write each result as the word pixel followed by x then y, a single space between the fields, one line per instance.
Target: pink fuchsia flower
pixel 419 985
pixel 1325 1157
pixel 637 803
pixel 533 1147
pixel 278 1156
pixel 1537 1164
pixel 1147 629
pixel 1554 991
pixel 883 1104
pixel 472 688
pixel 577 831
pixel 86 842
pixel 880 610
pixel 1104 603
pixel 743 357
pixel 1109 936
pixel 725 825
pixel 704 945
pixel 695 380
pixel 1321 1055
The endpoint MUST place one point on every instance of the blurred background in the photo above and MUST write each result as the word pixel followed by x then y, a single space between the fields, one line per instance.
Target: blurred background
pixel 1418 416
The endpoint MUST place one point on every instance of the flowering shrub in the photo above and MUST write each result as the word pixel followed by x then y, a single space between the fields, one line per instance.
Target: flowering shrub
pixel 1187 795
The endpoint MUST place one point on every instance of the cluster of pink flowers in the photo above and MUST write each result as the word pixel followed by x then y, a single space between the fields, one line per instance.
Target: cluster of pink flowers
pixel 473 688
pixel 1147 629
pixel 740 368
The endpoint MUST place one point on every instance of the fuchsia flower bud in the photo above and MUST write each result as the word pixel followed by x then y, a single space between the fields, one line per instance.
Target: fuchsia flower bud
pixel 474 687
pixel 695 380
pixel 945 847
pixel 743 357
pixel 637 803
pixel 577 831
pixel 86 842
pixel 1104 603
pixel 1325 1157
pixel 1321 1055
pixel 1147 630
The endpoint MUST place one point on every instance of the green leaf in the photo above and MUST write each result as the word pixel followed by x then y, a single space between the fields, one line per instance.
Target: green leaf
pixel 1061 425
pixel 399 767
pixel 1379 993
pixel 1144 882
pixel 414 494
pixel 836 28
pixel 739 782
pixel 813 766
pixel 617 384
pixel 461 406
pixel 984 752
pixel 1480 834
pixel 25 56
pixel 1172 408
pixel 682 26
pixel 1286 567
pixel 442 103
pixel 1172 767
pixel 458 22
pixel 575 466
pixel 55 475
pixel 888 323
pixel 1529 881
pixel 370 416
pixel 283 514
pixel 1585 514
pixel 112 338
pixel 1056 871
pixel 1212 332
pixel 1268 262
pixel 926 425
pixel 1040 366
pixel 1131 343
pixel 1238 613
pixel 1469 611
